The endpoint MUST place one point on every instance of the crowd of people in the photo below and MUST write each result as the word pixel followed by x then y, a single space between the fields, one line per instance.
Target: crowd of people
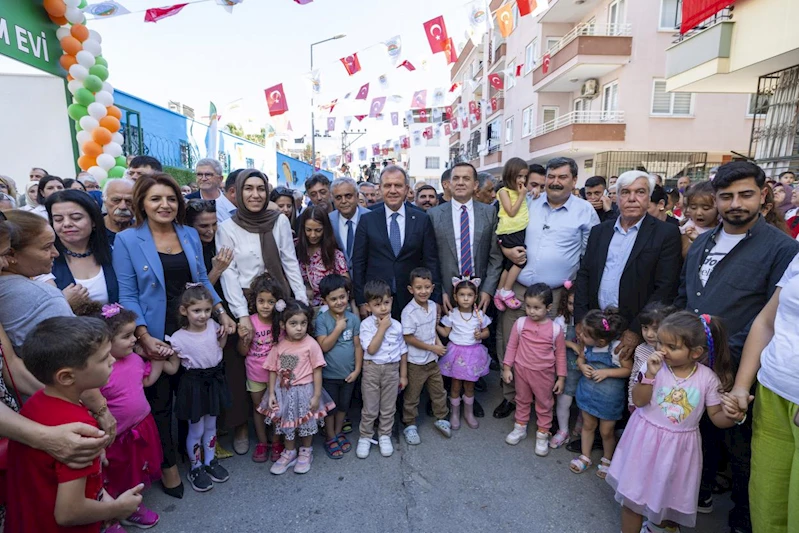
pixel 660 314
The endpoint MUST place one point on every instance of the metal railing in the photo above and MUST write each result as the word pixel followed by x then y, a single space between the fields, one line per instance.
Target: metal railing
pixel 716 18
pixel 580 117
pixel 587 29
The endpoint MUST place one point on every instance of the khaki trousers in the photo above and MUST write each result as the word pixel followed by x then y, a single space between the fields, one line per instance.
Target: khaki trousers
pixel 379 389
pixel 418 377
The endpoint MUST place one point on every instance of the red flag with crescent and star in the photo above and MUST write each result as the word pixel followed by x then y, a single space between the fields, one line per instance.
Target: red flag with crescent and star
pixel 377 106
pixel 276 100
pixel 405 141
pixel 526 6
pixel 452 54
pixel 428 132
pixel 448 114
pixel 363 92
pixel 496 81
pixel 407 64
pixel 447 129
pixel 351 63
pixel 436 33
pixel 375 149
pixel 494 104
pixel 360 117
pixel 423 115
pixel 419 99
pixel 545 62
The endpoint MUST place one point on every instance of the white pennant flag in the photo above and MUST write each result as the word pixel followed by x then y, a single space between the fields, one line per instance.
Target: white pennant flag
pixel 479 16
pixel 438 96
pixel 417 138
pixel 396 147
pixel 394 49
pixel 361 154
pixel 347 123
pixel 383 81
pixel 316 81
pixel 228 4
pixel 409 117
pixel 108 9
pixel 437 114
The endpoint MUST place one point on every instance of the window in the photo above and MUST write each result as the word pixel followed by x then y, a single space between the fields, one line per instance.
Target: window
pixel 758 105
pixel 589 28
pixel 510 81
pixel 527 122
pixel 515 16
pixel 530 55
pixel 549 115
pixel 671 104
pixel 610 99
pixel 552 42
pixel 493 135
pixel 670 14
pixel 615 17
pixel 581 106
pixel 432 162
pixel 509 130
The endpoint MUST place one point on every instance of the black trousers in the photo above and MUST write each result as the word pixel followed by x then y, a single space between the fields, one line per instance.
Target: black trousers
pixel 161 395
pixel 236 374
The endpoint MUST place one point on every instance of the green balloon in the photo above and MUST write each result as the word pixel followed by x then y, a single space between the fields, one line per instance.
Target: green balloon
pixel 77 111
pixel 84 97
pixel 83 4
pixel 100 71
pixel 100 60
pixel 116 172
pixel 77 127
pixel 122 162
pixel 93 83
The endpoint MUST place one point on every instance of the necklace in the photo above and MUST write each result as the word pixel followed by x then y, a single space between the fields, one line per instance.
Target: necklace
pixel 77 255
pixel 680 381
pixel 471 315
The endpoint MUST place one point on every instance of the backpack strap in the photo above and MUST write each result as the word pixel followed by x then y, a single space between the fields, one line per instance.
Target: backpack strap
pixel 520 324
pixel 556 331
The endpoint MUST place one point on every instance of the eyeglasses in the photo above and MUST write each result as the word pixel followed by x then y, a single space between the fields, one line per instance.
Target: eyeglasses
pixel 205 174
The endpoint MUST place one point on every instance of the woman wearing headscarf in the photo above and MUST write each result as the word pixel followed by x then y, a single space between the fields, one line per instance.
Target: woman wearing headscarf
pixel 782 198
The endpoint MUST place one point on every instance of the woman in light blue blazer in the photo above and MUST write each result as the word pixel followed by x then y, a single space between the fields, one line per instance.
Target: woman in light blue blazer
pixel 153 262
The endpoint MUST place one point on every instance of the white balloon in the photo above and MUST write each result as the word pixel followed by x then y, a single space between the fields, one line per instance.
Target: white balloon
pixel 85 58
pixel 117 138
pixel 62 32
pixel 72 3
pixel 107 87
pixel 104 98
pixel 106 162
pixel 93 46
pixel 89 123
pixel 79 72
pixel 97 110
pixel 113 149
pixel 98 172
pixel 83 137
pixel 94 36
pixel 75 15
pixel 74 85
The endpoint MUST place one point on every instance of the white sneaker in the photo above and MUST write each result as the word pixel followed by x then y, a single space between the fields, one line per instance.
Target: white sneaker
pixel 444 427
pixel 364 445
pixel 386 448
pixel 541 444
pixel 519 432
pixel 412 435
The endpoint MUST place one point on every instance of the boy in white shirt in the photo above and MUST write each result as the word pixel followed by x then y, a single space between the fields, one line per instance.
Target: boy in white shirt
pixel 424 348
pixel 385 369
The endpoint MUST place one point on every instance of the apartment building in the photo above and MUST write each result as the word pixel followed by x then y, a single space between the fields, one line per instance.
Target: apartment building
pixel 749 47
pixel 592 86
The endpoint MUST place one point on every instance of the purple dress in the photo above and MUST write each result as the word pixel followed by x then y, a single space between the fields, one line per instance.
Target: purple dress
pixel 466 358
pixel 658 463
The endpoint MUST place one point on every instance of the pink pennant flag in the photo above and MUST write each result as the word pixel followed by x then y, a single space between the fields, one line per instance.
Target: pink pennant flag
pixel 419 100
pixel 303 2
pixel 375 149
pixel 157 13
pixel 447 129
pixel 377 106
pixel 331 123
pixel 423 115
pixel 407 64
pixel 360 117
pixel 363 92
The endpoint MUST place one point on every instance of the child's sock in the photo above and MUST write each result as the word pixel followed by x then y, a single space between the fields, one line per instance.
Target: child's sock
pixel 193 443
pixel 209 439
pixel 563 410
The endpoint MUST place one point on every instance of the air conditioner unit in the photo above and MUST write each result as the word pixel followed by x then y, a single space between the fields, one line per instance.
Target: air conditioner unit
pixel 590 88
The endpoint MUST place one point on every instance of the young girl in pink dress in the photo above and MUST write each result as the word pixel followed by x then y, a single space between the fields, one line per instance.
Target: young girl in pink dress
pixel 657 466
pixel 135 455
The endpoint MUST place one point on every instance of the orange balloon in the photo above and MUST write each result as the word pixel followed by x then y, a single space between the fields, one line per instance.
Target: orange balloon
pixel 80 32
pixel 110 123
pixel 92 149
pixel 67 61
pixel 55 8
pixel 71 45
pixel 61 21
pixel 101 136
pixel 69 77
pixel 114 111
pixel 85 162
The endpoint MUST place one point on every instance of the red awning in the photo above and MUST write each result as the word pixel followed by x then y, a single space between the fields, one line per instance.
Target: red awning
pixel 695 11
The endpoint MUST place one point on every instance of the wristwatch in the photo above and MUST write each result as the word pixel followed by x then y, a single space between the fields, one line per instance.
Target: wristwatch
pixel 219 312
pixel 645 380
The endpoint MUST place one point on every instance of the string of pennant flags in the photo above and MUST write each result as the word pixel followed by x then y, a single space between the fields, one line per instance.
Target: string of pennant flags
pixel 112 8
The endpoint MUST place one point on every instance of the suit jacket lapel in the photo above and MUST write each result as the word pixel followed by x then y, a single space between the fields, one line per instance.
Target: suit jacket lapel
pixel 410 226
pixel 449 233
pixel 147 245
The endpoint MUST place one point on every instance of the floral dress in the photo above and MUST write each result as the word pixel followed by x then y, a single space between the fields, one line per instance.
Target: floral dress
pixel 7 397
pixel 315 270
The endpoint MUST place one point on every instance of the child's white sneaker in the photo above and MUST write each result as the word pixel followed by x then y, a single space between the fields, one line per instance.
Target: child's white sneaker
pixel 412 435
pixel 541 443
pixel 514 437
pixel 386 448
pixel 364 445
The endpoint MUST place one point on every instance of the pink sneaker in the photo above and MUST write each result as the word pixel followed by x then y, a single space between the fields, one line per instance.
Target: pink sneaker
pixel 512 302
pixel 114 528
pixel 143 518
pixel 261 453
pixel 560 438
pixel 499 303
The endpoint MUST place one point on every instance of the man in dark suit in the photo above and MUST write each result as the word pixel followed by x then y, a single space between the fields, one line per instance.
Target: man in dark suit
pixel 630 261
pixel 346 216
pixel 391 241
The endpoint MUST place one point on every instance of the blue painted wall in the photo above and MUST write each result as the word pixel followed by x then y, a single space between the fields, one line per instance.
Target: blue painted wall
pixel 292 172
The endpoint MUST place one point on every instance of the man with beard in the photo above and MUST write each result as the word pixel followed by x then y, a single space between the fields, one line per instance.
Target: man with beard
pixel 556 238
pixel 732 272
pixel 426 197
pixel 117 201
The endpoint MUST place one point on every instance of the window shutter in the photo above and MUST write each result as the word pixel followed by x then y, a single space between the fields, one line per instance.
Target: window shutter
pixel 682 103
pixel 661 100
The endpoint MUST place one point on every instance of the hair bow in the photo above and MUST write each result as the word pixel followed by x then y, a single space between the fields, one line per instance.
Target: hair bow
pixel 605 324
pixel 568 284
pixel 193 285
pixel 711 350
pixel 473 281
pixel 111 310
pixel 280 306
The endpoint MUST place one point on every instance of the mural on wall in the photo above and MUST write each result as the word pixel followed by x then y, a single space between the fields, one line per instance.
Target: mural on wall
pixel 292 173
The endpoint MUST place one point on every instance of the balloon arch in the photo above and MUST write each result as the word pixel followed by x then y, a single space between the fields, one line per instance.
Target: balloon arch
pixel 97 119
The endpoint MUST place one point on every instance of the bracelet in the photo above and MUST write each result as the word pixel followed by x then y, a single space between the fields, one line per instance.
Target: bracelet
pixel 741 421
pixel 101 411
pixel 142 335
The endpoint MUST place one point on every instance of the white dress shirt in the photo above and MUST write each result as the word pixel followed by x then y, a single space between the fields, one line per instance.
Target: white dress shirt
pixel 619 251
pixel 393 347
pixel 400 221
pixel 422 325
pixel 456 226
pixel 342 226
pixel 248 262
pixel 224 207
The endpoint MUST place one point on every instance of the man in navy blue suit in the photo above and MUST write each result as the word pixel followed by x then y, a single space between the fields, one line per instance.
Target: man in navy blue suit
pixel 347 215
pixel 391 241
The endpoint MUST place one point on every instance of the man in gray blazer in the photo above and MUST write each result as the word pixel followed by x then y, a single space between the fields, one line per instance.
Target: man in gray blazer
pixel 346 216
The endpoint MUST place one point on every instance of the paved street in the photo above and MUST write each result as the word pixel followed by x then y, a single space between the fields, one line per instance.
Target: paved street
pixel 473 482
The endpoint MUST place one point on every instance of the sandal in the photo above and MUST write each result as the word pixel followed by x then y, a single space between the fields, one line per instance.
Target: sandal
pixel 602 469
pixel 580 464
pixel 344 443
pixel 499 303
pixel 347 427
pixel 512 302
pixel 333 449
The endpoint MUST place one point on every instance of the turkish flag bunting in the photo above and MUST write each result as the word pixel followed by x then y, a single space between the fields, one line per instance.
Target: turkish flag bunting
pixel 276 100
pixel 464 123
pixel 363 92
pixel 377 106
pixel 477 115
pixel 447 129
pixel 453 122
pixel 428 132
pixel 496 81
pixel 419 99
pixel 494 104
pixel 519 69
pixel 405 141
pixel 394 118
pixel 448 112
pixel 526 6
pixel 333 104
pixel 472 107
pixel 505 19
pixel 436 33
pixel 348 156
pixel 452 54
pixel 375 149
pixel 360 117
pixel 303 2
pixel 352 64
pixel 545 62
pixel 423 115
pixel 407 64
pixel 331 123
pixel 157 13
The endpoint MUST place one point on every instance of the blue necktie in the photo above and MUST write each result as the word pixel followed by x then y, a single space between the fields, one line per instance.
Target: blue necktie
pixel 466 244
pixel 350 239
pixel 394 235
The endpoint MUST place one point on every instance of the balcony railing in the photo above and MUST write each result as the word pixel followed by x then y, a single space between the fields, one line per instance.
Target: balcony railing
pixel 580 117
pixel 586 29
pixel 716 18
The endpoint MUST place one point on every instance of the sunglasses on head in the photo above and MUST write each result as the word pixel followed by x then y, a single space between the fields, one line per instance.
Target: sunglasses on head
pixel 201 205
